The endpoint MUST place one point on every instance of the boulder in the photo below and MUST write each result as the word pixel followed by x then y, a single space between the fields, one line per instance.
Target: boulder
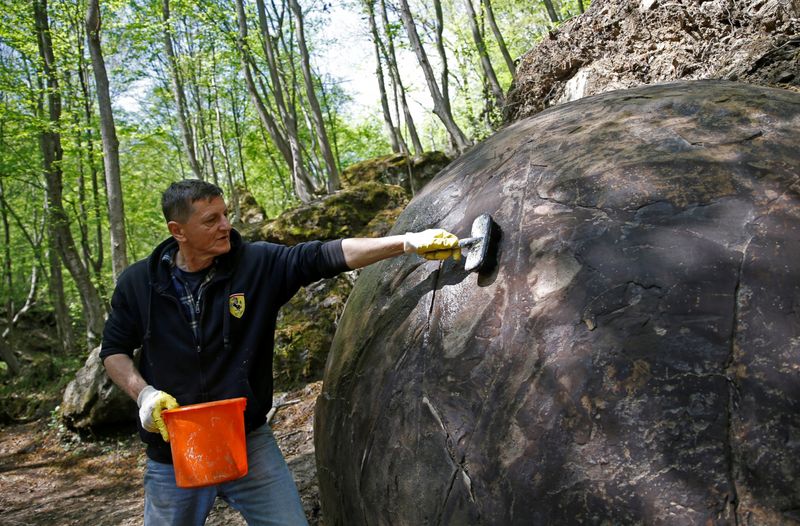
pixel 305 330
pixel 630 357
pixel 91 399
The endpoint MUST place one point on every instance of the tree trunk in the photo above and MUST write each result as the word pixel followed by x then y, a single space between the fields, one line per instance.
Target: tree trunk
pixel 498 36
pixel 580 6
pixel 551 11
pixel 6 352
pixel 302 181
pixel 237 134
pixel 397 82
pixel 29 300
pixel 56 289
pixel 201 135
pixel 445 74
pixel 207 135
pixel 391 131
pixel 116 206
pixel 331 124
pixel 289 146
pixel 50 144
pixel 35 241
pixel 97 262
pixel 303 185
pixel 187 135
pixel 223 146
pixel 440 107
pixel 486 63
pixel 313 101
pixel 82 216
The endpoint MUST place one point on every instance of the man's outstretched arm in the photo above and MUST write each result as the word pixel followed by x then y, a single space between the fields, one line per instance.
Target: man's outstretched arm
pixel 430 244
pixel 362 251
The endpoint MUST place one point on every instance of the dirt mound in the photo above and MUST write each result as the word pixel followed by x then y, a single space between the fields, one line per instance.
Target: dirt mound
pixel 619 44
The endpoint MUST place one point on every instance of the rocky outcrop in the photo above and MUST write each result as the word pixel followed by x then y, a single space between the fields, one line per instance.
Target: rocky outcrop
pixel 305 330
pixel 620 44
pixel 632 356
pixel 410 173
pixel 349 212
pixel 251 212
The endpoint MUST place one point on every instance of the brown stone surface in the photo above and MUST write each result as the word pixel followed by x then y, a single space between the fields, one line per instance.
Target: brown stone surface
pixel 632 357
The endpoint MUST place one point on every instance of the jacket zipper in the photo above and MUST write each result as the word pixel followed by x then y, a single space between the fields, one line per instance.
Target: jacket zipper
pixel 196 340
pixel 201 312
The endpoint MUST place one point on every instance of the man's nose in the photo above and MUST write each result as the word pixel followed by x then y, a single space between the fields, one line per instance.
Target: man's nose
pixel 225 224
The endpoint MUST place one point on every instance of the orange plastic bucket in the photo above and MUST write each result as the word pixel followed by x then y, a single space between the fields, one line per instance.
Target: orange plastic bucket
pixel 208 442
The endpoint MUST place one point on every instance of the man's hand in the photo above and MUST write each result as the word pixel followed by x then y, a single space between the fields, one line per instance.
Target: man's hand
pixel 433 243
pixel 151 402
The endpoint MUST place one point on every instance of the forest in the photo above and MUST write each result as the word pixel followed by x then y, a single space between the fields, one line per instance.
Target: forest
pixel 105 103
pixel 626 354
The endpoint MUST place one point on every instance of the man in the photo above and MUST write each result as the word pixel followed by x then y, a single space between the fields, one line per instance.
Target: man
pixel 203 309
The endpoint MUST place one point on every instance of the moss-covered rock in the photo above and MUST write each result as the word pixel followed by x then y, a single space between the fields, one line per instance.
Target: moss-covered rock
pixel 305 330
pixel 397 169
pixel 346 213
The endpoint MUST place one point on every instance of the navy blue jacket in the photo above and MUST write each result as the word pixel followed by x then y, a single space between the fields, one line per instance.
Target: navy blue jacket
pixel 234 355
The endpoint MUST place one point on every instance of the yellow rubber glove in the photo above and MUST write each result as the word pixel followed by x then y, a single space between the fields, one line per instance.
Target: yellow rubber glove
pixel 433 243
pixel 151 403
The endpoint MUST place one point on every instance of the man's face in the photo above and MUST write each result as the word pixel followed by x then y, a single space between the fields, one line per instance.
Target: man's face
pixel 207 232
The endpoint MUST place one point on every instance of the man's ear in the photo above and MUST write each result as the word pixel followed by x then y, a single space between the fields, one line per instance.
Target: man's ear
pixel 176 229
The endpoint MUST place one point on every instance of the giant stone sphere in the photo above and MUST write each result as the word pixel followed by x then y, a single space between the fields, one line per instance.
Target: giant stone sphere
pixel 632 356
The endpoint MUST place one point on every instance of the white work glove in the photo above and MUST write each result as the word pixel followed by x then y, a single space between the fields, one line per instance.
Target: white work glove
pixel 151 402
pixel 433 243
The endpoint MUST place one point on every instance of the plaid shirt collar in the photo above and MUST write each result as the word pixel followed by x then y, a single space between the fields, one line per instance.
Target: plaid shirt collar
pixel 191 305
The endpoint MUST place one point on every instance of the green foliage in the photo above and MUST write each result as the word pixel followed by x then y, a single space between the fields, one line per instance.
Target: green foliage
pixel 364 139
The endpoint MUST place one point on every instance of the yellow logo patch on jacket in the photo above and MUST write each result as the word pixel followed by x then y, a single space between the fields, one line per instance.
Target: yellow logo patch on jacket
pixel 236 304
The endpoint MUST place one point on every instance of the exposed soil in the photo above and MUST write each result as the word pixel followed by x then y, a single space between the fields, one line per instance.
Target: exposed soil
pixel 49 475
pixel 620 44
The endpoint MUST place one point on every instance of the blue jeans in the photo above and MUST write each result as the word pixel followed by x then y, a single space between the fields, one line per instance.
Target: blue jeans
pixel 267 495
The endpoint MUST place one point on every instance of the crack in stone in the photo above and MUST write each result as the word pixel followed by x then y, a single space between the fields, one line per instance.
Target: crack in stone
pixel 571 205
pixel 458 465
pixel 749 137
pixel 733 388
pixel 440 515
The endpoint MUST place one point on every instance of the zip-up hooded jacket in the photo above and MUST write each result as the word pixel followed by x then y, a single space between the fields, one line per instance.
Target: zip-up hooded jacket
pixel 233 356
